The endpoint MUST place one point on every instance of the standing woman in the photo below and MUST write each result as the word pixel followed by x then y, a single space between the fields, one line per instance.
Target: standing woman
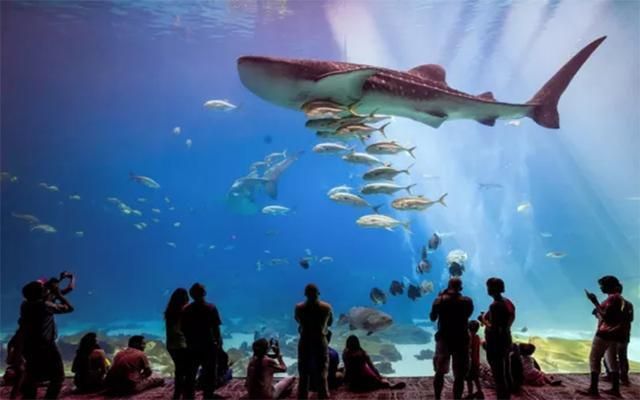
pixel 176 343
pixel 497 322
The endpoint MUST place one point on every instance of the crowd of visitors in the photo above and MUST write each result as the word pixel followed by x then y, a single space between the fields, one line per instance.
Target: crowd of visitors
pixel 194 342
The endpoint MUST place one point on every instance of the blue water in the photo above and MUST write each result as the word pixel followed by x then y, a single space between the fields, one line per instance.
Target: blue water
pixel 92 91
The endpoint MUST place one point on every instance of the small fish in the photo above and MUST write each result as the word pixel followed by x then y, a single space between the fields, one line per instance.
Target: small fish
pixel 212 247
pixel 353 200
pixel 330 148
pixel 362 158
pixel 304 263
pixel 79 234
pixel 144 180
pixel 434 242
pixel 396 288
pixel 546 234
pixel 361 129
pixel 274 156
pixel 416 203
pixel 384 173
pixel 339 189
pixel 424 266
pixel 426 287
pixel 167 200
pixel 381 221
pixel 325 259
pixel 177 224
pixel 524 329
pixel 513 122
pixel 51 188
pixel 316 109
pixel 523 207
pixel 276 210
pixel 279 261
pixel 344 136
pixel 220 105
pixel 156 210
pixel 140 226
pixel 384 188
pixel 30 219
pixel 172 208
pixel 414 292
pixel 136 212
pixel 177 131
pixel 13 179
pixel 307 252
pixel 377 296
pixel 487 186
pixel 259 265
pixel 389 148
pixel 258 164
pixel 75 197
pixel 171 244
pixel 44 228
pixel 155 220
pixel 556 254
pixel 188 143
pixel 229 247
pixel 141 200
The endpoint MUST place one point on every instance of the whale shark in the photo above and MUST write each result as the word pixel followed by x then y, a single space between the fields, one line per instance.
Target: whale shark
pixel 421 93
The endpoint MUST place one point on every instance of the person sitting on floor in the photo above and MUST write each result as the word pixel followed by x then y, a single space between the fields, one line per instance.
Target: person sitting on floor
pixel 360 373
pixel 532 373
pixel 131 372
pixel 259 382
pixel 90 364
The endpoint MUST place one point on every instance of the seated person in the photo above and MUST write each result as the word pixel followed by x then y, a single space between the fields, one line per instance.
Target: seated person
pixel 130 372
pixel 259 382
pixel 90 364
pixel 360 373
pixel 532 374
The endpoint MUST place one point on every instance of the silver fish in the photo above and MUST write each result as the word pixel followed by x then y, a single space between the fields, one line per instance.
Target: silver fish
pixel 381 221
pixel 384 188
pixel 362 158
pixel 416 203
pixel 384 173
pixel 353 200
pixel 389 148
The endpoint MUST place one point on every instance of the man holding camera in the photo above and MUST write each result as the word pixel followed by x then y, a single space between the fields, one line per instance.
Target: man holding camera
pixel 263 365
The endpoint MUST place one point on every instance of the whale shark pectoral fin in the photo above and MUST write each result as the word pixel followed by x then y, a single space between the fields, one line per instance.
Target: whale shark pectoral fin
pixel 343 87
pixel 487 96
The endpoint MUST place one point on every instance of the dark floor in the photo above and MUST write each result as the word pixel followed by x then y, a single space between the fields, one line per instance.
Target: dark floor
pixel 417 388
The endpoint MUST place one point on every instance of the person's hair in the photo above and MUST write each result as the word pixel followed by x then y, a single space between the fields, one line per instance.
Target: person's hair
pixel 52 282
pixel 88 343
pixel 136 341
pixel 179 299
pixel 527 349
pixel 353 343
pixel 495 285
pixel 455 283
pixel 311 290
pixel 197 291
pixel 260 347
pixel 474 326
pixel 33 291
pixel 610 284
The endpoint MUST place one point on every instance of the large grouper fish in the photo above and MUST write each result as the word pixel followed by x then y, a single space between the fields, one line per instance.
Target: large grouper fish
pixel 421 93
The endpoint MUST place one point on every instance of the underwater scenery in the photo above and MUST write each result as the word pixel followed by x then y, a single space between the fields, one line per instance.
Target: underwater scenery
pixel 373 148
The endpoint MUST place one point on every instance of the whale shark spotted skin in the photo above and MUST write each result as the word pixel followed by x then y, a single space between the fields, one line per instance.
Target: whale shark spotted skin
pixel 421 93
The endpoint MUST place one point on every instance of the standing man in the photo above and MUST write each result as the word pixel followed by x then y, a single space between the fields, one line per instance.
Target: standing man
pixel 610 335
pixel 39 334
pixel 497 322
pixel 314 318
pixel 452 311
pixel 201 328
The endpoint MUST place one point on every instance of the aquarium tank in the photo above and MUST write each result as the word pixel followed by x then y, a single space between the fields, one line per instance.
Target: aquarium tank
pixel 149 145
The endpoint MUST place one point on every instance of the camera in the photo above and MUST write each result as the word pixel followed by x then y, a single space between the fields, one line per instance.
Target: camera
pixel 274 346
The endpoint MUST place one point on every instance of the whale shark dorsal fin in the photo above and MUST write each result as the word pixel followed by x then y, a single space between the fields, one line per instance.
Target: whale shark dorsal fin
pixel 433 72
pixel 343 87
pixel 487 96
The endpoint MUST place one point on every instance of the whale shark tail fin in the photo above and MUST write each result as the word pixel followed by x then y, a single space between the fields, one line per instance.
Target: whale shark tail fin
pixel 545 102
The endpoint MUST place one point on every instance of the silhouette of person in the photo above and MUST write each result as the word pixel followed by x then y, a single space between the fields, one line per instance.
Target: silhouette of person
pixel 623 347
pixel 452 311
pixel 610 335
pixel 131 371
pixel 473 375
pixel 497 322
pixel 201 327
pixel 176 342
pixel 90 364
pixel 314 318
pixel 39 333
pixel 52 286
pixel 259 382
pixel 15 369
pixel 360 373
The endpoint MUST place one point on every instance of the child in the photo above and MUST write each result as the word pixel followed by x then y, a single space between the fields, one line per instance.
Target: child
pixel 474 357
pixel 532 374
